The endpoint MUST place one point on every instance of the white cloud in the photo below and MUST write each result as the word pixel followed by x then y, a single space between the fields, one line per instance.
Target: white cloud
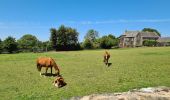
pixel 121 21
pixel 38 25
pixel 20 25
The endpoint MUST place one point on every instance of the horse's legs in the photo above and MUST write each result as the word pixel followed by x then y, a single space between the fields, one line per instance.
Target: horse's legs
pixel 46 70
pixel 51 70
pixel 58 72
pixel 105 61
pixel 40 70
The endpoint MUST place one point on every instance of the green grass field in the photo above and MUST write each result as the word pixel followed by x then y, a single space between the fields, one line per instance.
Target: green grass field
pixel 84 72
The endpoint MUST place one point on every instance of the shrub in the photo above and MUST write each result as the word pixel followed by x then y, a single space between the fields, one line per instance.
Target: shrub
pixel 87 44
pixel 106 42
pixel 1 48
pixel 10 45
pixel 149 43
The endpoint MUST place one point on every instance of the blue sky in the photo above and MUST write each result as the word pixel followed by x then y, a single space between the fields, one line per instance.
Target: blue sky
pixel 19 17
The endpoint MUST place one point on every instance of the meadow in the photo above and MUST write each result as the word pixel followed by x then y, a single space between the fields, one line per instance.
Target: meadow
pixel 84 72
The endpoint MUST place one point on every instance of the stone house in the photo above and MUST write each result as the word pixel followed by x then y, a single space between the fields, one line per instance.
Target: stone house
pixel 164 41
pixel 136 38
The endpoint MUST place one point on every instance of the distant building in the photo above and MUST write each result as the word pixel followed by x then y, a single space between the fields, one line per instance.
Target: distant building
pixel 164 41
pixel 136 38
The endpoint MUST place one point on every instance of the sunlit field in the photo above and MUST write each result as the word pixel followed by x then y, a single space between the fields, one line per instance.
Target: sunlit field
pixel 84 72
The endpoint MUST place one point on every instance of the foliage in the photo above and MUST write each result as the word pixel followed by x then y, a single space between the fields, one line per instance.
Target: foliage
pixel 87 44
pixel 65 38
pixel 106 42
pixel 1 46
pixel 53 37
pixel 111 36
pixel 109 41
pixel 28 42
pixel 92 35
pixel 10 44
pixel 150 43
pixel 151 30
pixel 91 40
pixel 96 43
pixel 47 45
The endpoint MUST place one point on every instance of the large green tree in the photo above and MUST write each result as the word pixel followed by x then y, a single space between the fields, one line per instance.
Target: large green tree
pixel 92 35
pixel 28 42
pixel 151 30
pixel 91 39
pixel 10 44
pixel 53 37
pixel 87 44
pixel 65 38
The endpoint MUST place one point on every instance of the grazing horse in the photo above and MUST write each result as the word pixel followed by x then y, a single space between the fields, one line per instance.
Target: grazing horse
pixel 47 62
pixel 106 57
pixel 59 82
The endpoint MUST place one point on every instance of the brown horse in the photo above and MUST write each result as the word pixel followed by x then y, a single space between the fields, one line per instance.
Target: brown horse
pixel 47 62
pixel 106 57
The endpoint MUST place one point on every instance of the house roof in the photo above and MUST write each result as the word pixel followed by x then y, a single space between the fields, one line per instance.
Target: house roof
pixel 164 39
pixel 149 34
pixel 143 34
pixel 130 33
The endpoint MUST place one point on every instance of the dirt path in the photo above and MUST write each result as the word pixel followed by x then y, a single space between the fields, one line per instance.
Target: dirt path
pixel 150 93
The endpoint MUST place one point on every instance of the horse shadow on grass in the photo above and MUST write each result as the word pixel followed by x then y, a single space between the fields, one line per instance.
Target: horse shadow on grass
pixel 109 64
pixel 48 74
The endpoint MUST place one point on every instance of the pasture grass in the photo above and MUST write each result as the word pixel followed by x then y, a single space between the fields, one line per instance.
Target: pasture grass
pixel 84 72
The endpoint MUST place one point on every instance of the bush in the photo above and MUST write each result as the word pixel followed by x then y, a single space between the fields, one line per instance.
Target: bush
pixel 27 42
pixel 10 45
pixel 1 48
pixel 149 43
pixel 107 42
pixel 87 44
pixel 74 47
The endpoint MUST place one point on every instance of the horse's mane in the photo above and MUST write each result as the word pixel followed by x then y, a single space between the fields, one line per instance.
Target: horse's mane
pixel 54 64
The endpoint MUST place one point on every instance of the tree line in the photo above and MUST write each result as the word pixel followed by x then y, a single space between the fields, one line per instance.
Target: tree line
pixel 63 38
pixel 27 43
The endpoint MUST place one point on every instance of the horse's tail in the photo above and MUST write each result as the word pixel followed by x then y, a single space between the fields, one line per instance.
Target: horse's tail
pixel 38 66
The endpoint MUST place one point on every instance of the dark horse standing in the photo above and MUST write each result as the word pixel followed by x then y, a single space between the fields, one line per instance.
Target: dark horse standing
pixel 106 58
pixel 47 62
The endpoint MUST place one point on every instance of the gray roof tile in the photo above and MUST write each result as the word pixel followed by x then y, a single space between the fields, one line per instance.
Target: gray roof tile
pixel 144 34
pixel 131 33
